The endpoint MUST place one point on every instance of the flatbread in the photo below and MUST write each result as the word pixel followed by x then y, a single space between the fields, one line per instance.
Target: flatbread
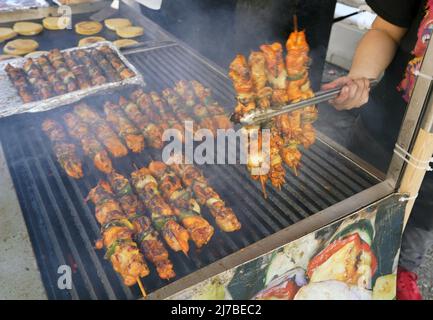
pixel 122 43
pixel 20 47
pixel 115 23
pixel 90 40
pixel 7 34
pixel 129 32
pixel 56 23
pixel 88 28
pixel 28 28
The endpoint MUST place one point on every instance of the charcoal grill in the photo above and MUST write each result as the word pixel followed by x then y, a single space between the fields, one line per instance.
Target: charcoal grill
pixel 331 184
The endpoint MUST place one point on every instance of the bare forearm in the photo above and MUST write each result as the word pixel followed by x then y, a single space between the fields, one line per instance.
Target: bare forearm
pixel 373 55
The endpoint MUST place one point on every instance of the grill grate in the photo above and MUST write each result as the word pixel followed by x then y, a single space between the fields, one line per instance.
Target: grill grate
pixel 62 226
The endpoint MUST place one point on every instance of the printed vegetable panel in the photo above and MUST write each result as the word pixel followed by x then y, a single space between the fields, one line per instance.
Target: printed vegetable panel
pixel 352 259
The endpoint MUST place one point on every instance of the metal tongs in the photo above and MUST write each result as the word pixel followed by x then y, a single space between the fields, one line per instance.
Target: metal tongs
pixel 260 116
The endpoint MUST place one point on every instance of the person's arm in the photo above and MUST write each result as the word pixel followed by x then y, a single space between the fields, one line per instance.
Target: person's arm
pixel 373 55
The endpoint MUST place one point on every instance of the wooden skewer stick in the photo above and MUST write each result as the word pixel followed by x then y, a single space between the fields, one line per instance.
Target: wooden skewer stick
pixel 295 22
pixel 143 291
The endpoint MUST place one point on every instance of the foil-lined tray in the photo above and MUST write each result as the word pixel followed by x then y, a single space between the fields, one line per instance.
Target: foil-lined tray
pixel 15 5
pixel 11 103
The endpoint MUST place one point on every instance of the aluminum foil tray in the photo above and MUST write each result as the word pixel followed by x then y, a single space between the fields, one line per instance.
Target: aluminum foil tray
pixel 14 5
pixel 11 103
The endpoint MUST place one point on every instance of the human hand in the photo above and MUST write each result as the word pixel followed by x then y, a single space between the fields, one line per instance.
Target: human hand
pixel 354 93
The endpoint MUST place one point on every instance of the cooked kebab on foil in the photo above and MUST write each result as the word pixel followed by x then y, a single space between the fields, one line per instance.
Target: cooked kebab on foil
pixel 64 151
pixel 152 132
pixel 92 148
pixel 144 233
pixel 265 80
pixel 192 178
pixel 18 78
pixel 133 138
pixel 164 218
pixel 181 199
pixel 58 73
pixel 117 234
pixel 102 130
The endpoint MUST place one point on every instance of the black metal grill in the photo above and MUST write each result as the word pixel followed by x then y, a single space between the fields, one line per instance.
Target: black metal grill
pixel 62 226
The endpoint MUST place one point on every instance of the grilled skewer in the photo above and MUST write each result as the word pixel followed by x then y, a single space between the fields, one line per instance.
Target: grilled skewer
pixel 36 79
pixel 191 177
pixel 163 216
pixel 180 198
pixel 123 71
pixel 152 133
pixel 18 78
pixel 90 145
pixel 79 70
pixel 125 129
pixel 102 130
pixel 50 74
pixel 93 72
pixel 65 152
pixel 117 235
pixel 144 233
pixel 68 78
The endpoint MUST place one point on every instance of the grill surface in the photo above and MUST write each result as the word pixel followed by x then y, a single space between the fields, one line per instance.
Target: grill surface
pixel 62 226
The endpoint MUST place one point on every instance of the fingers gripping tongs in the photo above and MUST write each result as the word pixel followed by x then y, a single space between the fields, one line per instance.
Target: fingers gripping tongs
pixel 260 116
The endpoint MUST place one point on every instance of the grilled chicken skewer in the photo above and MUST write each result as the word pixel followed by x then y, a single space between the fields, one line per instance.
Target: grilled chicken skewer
pixel 90 145
pixel 37 80
pixel 123 71
pixel 144 233
pixel 163 216
pixel 18 78
pixel 152 133
pixel 79 70
pixel 179 109
pixel 244 86
pixel 68 78
pixel 217 112
pixel 125 129
pixel 180 198
pixel 50 74
pixel 191 177
pixel 65 152
pixel 117 235
pixel 94 73
pixel 257 64
pixel 102 130
pixel 144 102
pixel 110 73
pixel 167 117
pixel 196 109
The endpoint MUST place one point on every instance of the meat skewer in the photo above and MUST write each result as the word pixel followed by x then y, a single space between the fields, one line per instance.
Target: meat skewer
pixel 191 177
pixel 243 84
pixel 217 112
pixel 152 133
pixel 68 78
pixel 257 64
pixel 102 130
pixel 125 129
pixel 163 216
pixel 105 65
pixel 36 79
pixel 94 73
pixel 50 74
pixel 123 71
pixel 78 70
pixel 144 102
pixel 90 145
pixel 166 116
pixel 179 109
pixel 144 233
pixel 65 152
pixel 117 235
pixel 180 198
pixel 18 78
